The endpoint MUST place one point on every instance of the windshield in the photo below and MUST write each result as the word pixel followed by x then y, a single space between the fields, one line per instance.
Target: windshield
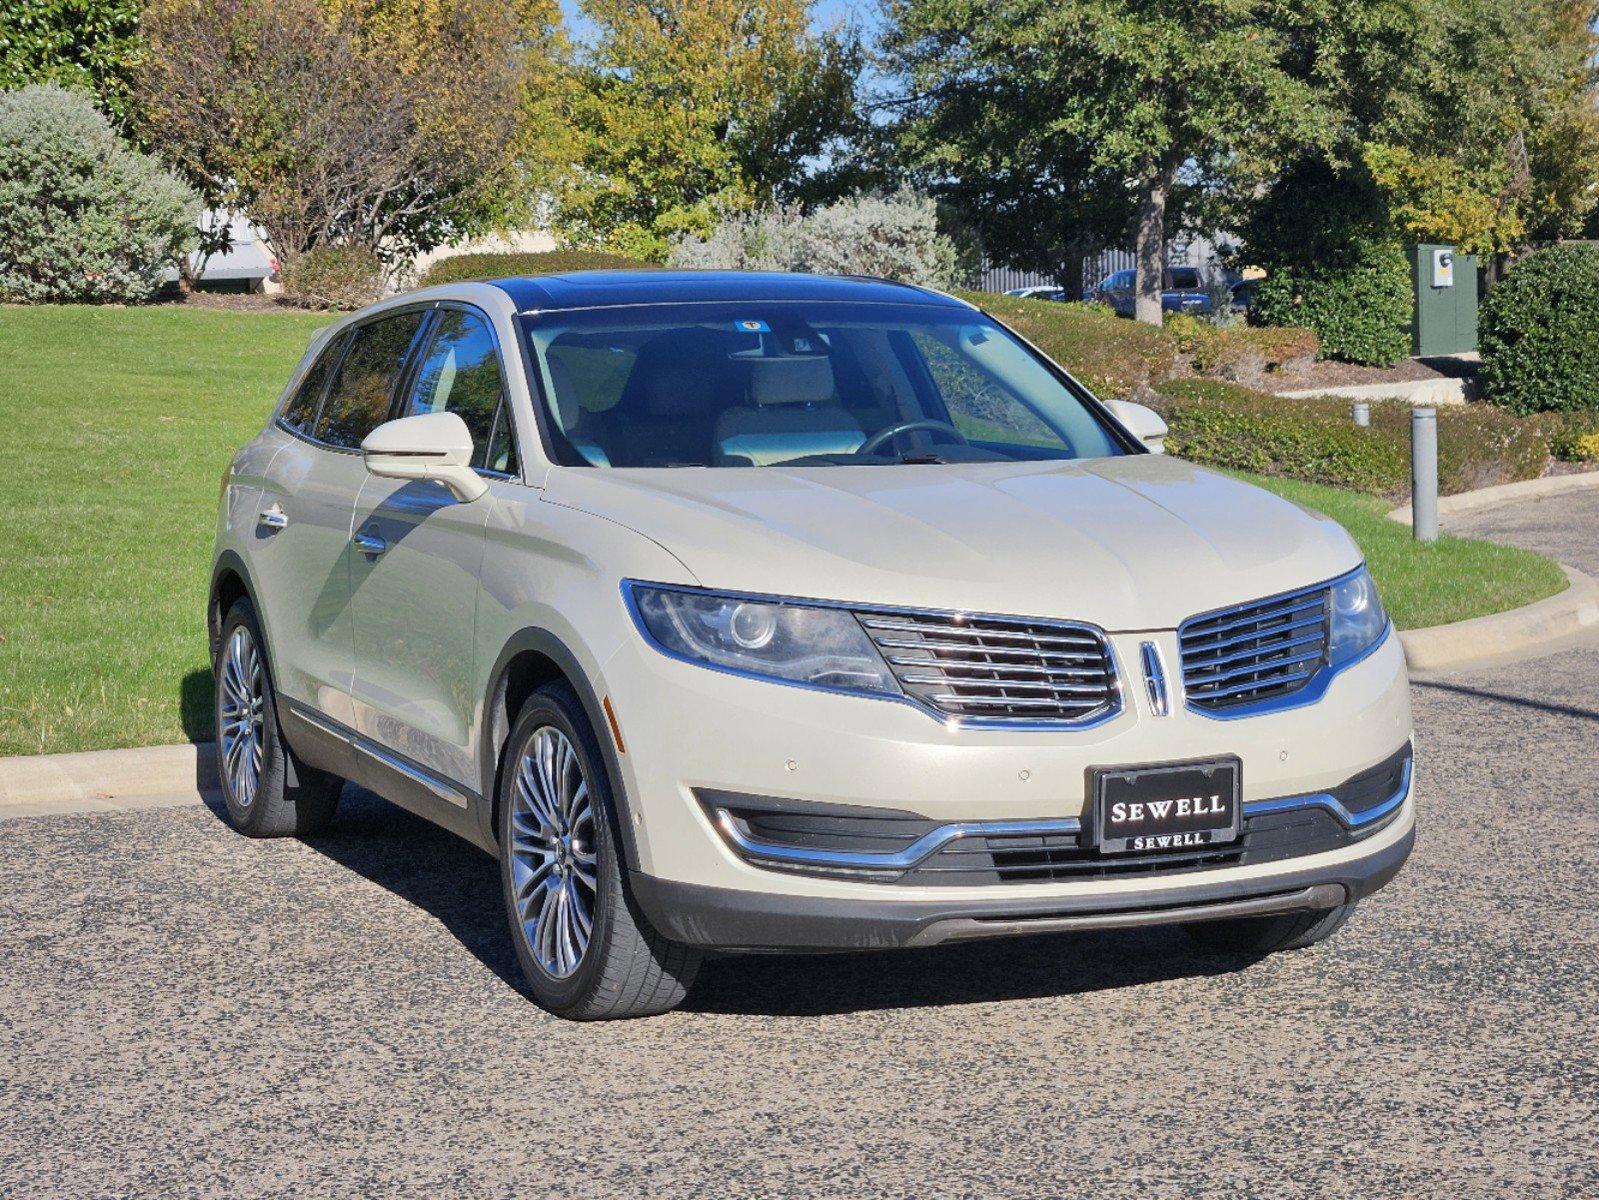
pixel 800 384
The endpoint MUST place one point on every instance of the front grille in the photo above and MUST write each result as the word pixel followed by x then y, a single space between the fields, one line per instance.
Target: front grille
pixel 1254 652
pixel 998 668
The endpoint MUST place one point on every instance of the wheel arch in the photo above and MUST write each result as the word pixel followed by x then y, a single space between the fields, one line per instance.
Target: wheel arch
pixel 532 658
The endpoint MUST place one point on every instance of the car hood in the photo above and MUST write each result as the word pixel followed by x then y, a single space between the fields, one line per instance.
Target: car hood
pixel 1129 543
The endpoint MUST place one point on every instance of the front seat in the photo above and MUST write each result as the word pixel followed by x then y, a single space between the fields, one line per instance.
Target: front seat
pixel 575 421
pixel 793 412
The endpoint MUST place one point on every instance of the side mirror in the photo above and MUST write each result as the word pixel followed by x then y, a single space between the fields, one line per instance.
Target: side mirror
pixel 1143 422
pixel 436 446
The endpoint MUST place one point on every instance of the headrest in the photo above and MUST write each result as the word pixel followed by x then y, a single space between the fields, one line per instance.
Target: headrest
pixel 567 408
pixel 791 381
pixel 671 390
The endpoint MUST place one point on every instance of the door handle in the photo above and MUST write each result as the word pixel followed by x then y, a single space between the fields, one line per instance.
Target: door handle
pixel 369 543
pixel 272 517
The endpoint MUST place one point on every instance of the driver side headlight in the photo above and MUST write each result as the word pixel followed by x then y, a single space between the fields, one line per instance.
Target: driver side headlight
pixel 1357 619
pixel 799 643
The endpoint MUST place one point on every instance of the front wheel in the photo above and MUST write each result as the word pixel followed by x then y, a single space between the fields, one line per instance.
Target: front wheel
pixel 585 950
pixel 1267 935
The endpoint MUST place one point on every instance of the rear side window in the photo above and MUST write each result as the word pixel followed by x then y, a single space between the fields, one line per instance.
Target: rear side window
pixel 460 374
pixel 358 402
pixel 1185 279
pixel 300 411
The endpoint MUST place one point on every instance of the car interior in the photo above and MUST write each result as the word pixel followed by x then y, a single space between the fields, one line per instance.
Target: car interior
pixel 754 393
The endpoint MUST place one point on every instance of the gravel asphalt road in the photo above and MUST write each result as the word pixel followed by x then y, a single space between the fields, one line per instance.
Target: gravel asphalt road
pixel 187 1013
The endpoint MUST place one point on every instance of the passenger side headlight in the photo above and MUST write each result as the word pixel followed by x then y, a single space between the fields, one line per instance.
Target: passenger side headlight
pixel 789 642
pixel 1357 617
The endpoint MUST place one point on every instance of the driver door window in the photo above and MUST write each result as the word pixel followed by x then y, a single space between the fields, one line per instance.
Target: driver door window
pixel 461 374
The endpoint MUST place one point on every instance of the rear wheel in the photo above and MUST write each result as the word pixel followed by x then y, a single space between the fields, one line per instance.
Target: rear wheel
pixel 268 791
pixel 1267 935
pixel 586 951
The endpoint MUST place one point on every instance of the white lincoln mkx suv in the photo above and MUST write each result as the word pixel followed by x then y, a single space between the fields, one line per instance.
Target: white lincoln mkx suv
pixel 774 612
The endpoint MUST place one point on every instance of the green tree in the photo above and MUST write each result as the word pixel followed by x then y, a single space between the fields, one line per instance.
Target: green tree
pixel 1117 108
pixel 89 44
pixel 684 109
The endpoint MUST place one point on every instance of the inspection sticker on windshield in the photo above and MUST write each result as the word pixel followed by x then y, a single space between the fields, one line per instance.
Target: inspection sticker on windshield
pixel 750 326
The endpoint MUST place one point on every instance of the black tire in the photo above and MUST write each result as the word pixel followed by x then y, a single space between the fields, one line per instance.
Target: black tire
pixel 626 969
pixel 290 798
pixel 1268 935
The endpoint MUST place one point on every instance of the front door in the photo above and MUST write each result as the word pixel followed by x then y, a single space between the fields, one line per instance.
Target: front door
pixel 414 572
pixel 308 507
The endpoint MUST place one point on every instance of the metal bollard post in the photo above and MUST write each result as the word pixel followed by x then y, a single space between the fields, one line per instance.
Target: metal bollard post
pixel 1362 412
pixel 1424 473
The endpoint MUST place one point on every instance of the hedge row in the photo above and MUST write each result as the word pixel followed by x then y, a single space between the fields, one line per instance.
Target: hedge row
pixel 1223 425
pixel 467 268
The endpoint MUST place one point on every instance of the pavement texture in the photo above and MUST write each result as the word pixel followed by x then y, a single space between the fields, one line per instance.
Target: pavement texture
pixel 1565 527
pixel 184 1012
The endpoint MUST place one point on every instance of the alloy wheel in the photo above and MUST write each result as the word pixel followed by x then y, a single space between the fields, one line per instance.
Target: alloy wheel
pixel 553 848
pixel 243 716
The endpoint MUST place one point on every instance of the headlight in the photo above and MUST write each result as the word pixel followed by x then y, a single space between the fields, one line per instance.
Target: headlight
pixel 1358 619
pixel 794 643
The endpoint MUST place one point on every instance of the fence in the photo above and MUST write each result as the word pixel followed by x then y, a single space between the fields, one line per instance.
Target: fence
pixel 1187 251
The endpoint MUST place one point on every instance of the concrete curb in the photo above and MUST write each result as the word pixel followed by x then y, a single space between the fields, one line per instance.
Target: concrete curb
pixel 1506 493
pixel 1414 391
pixel 1519 631
pixel 106 780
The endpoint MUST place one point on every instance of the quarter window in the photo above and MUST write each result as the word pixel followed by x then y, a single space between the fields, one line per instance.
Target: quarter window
pixel 461 374
pixel 363 389
pixel 300 412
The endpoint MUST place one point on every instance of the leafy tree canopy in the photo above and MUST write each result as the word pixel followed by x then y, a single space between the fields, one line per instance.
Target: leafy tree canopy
pixel 683 109
pixel 1109 109
pixel 89 44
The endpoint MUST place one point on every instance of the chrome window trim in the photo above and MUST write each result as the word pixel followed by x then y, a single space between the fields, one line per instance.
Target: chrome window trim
pixel 937 839
pixel 948 720
pixel 1313 689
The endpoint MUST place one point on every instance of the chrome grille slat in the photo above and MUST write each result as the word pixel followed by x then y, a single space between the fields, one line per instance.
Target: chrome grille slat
pixel 998 668
pixel 1271 661
pixel 1254 652
pixel 1300 606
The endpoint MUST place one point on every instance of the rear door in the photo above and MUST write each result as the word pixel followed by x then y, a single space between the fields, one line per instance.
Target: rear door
pixel 415 583
pixel 301 562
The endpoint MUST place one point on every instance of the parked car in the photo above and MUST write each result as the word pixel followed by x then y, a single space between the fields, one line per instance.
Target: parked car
pixel 1038 292
pixel 1244 292
pixel 779 613
pixel 1184 291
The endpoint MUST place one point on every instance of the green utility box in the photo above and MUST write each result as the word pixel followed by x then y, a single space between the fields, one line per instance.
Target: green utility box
pixel 1446 301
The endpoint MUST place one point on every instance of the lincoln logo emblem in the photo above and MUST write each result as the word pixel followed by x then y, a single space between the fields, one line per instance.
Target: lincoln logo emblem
pixel 1154 678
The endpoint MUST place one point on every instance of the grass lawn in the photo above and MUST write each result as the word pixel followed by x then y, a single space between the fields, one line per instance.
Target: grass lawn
pixel 1451 580
pixel 117 424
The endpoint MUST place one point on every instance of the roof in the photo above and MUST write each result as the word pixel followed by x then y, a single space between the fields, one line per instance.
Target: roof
pixel 604 289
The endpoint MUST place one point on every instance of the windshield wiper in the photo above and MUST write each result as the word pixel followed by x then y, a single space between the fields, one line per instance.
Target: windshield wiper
pixel 914 460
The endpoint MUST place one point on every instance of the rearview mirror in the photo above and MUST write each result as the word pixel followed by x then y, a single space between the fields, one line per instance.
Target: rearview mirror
pixel 1143 422
pixel 436 446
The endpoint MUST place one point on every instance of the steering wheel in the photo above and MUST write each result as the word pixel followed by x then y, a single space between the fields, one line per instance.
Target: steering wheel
pixel 874 443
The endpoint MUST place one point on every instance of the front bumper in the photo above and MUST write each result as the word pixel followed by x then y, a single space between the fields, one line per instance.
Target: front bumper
pixel 731 919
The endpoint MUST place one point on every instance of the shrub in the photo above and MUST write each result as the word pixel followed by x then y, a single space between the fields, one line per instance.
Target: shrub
pixel 1113 357
pixel 1314 439
pixel 891 237
pixel 464 268
pixel 1574 436
pixel 1359 305
pixel 1539 333
pixel 83 217
pixel 1240 353
pixel 333 277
